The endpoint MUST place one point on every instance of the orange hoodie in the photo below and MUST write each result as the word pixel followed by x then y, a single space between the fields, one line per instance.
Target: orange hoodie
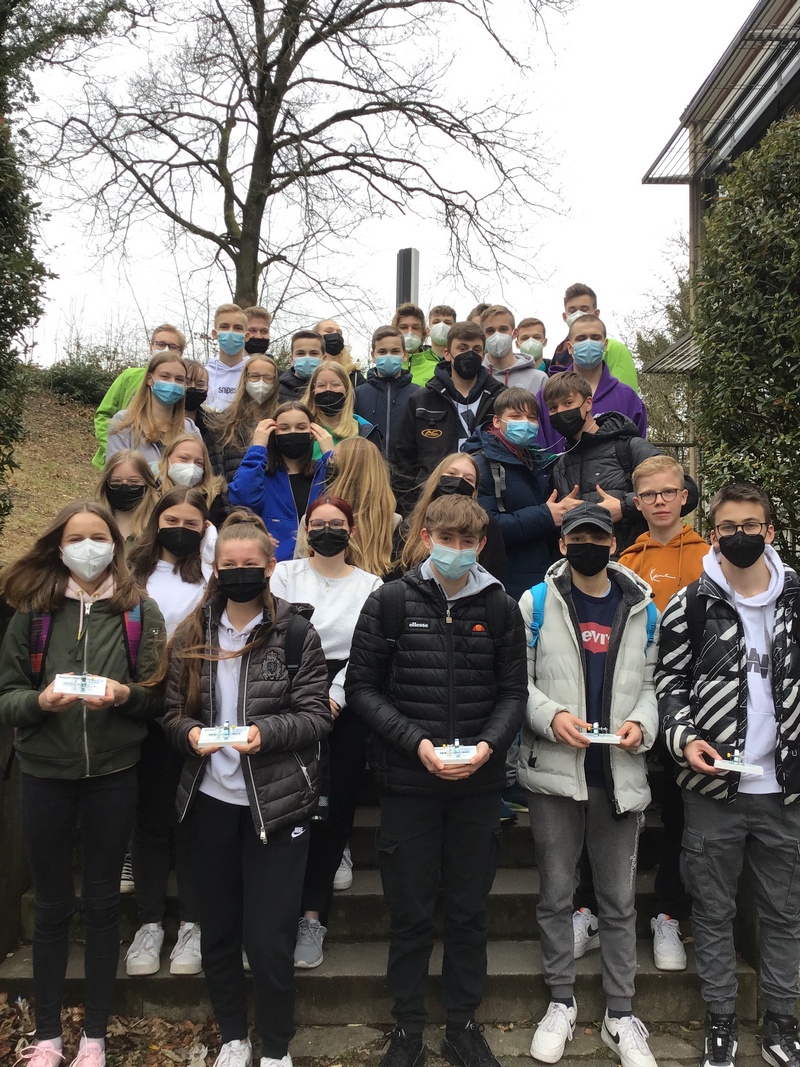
pixel 667 568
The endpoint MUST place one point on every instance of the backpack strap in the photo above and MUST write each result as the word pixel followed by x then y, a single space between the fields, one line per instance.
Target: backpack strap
pixel 652 622
pixel 293 644
pixel 132 629
pixel 38 640
pixel 499 480
pixel 539 593
pixel 393 612
pixel 496 611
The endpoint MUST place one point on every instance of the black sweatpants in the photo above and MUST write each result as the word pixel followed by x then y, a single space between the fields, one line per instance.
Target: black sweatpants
pixel 249 894
pixel 422 842
pixel 159 773
pixel 52 809
pixel 347 746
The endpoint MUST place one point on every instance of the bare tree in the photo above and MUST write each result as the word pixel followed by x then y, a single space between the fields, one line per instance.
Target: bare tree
pixel 270 131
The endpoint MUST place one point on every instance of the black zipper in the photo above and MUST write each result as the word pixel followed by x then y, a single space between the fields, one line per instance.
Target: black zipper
pixel 451 702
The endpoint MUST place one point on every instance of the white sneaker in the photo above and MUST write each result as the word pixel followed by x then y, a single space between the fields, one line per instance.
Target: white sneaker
pixel 343 878
pixel 585 932
pixel 553 1032
pixel 126 884
pixel 268 1061
pixel 668 951
pixel 627 1039
pixel 235 1054
pixel 185 957
pixel 143 957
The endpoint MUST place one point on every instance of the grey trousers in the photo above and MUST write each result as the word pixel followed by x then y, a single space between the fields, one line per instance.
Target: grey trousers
pixel 559 826
pixel 716 839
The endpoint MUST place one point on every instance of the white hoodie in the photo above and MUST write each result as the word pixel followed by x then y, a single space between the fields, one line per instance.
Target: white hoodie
pixel 223 381
pixel 758 620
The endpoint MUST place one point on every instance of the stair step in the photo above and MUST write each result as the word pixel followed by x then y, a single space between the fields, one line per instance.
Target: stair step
pixel 352 981
pixel 360 913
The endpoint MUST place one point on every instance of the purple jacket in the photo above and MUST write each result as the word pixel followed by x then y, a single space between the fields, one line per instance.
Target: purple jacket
pixel 611 395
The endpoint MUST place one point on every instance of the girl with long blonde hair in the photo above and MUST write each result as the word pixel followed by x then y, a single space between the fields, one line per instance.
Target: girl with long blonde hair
pixel 457 473
pixel 128 487
pixel 330 398
pixel 359 474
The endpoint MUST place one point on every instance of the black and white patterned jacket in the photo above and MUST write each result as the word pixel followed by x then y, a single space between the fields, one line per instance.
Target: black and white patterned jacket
pixel 702 691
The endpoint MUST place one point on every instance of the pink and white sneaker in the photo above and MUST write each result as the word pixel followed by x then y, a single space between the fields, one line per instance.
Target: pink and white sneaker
pixel 43 1054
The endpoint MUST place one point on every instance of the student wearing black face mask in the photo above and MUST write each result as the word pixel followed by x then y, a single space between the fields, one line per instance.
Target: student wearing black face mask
pixel 246 807
pixel 601 455
pixel 129 488
pixel 440 418
pixel 728 684
pixel 259 325
pixel 167 561
pixel 330 399
pixel 337 351
pixel 337 590
pixel 278 474
pixel 591 652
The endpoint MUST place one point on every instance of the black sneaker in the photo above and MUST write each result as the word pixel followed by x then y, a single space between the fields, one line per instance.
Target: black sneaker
pixel 468 1047
pixel 780 1044
pixel 722 1040
pixel 405 1050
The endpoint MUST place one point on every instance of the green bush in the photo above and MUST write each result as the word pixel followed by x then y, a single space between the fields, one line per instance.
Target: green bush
pixel 85 373
pixel 748 328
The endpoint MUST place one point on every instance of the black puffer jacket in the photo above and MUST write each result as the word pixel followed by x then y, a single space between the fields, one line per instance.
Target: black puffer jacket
pixel 225 461
pixel 431 428
pixel 281 778
pixel 447 678
pixel 702 686
pixel 608 458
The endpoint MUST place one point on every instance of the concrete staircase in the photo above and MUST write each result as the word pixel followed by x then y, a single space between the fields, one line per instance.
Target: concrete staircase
pixel 349 987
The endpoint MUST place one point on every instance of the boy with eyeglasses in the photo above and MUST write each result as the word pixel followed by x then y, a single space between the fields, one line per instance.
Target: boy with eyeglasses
pixel 728 686
pixel 669 555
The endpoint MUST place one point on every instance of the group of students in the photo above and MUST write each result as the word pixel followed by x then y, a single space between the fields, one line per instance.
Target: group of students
pixel 486 565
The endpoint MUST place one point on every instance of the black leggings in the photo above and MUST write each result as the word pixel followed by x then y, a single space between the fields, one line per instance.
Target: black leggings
pixel 347 744
pixel 159 773
pixel 52 808
pixel 248 893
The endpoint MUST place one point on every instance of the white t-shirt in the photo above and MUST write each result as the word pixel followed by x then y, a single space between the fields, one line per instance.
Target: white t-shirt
pixel 175 598
pixel 224 778
pixel 337 603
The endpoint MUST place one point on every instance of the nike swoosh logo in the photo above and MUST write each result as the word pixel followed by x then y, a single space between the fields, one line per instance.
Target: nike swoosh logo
pixel 298 830
pixel 614 1037
pixel 592 931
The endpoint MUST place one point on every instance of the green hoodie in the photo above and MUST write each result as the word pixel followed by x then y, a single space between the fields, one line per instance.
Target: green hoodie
pixel 120 393
pixel 80 742
pixel 422 364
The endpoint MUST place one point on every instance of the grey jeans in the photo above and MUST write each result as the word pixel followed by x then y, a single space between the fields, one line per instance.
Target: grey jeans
pixel 716 839
pixel 559 826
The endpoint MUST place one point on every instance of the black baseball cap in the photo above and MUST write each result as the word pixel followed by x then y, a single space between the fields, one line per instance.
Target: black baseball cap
pixel 587 514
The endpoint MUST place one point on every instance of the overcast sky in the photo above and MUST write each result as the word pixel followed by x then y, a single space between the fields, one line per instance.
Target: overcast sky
pixel 607 94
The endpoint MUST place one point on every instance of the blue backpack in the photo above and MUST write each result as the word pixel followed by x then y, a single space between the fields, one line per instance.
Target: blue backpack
pixel 539 593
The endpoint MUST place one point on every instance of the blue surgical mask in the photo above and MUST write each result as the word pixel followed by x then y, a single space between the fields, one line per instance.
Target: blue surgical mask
pixel 168 392
pixel 453 563
pixel 389 366
pixel 521 432
pixel 588 353
pixel 304 366
pixel 230 342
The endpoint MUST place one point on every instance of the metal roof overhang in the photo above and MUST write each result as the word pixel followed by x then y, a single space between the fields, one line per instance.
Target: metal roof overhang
pixel 755 82
pixel 682 357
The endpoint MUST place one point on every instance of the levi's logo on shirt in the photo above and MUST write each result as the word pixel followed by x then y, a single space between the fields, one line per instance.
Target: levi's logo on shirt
pixel 596 637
